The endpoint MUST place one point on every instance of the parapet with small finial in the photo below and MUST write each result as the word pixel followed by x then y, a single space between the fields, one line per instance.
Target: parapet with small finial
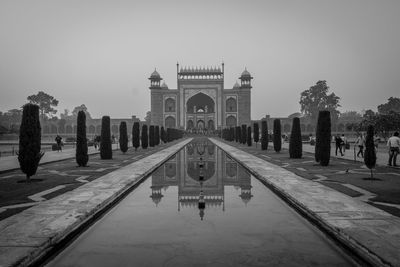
pixel 201 73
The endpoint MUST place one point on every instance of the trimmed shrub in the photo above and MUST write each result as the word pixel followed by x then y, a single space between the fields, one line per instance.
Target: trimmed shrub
pixel 144 137
pixel 81 154
pixel 370 153
pixel 256 133
pixel 163 135
pixel 151 136
pixel 264 135
pixel 123 137
pixel 277 135
pixel 295 143
pixel 136 135
pixel 105 143
pixel 29 154
pixel 249 136
pixel 157 135
pixel 244 135
pixel 323 138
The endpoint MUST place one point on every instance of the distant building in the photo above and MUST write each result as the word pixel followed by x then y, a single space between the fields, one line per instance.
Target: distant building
pixel 67 128
pixel 200 101
pixel 342 125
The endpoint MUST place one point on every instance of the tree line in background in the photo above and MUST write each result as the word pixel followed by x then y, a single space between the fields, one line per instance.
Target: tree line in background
pixel 30 154
pixel 312 100
pixel 322 144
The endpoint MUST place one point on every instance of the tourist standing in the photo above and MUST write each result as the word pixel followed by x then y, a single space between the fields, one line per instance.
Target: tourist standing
pixel 394 146
pixel 58 140
pixel 360 143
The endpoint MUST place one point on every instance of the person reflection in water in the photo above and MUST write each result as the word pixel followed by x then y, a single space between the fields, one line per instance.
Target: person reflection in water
pixel 201 205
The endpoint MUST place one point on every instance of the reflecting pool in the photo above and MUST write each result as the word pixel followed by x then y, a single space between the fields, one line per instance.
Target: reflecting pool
pixel 201 208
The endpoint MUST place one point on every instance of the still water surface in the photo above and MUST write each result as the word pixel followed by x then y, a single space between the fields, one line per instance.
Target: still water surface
pixel 161 223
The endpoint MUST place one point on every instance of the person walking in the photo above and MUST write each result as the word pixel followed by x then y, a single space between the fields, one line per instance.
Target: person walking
pixel 394 148
pixel 58 140
pixel 377 140
pixel 338 142
pixel 360 143
pixel 95 142
pixel 344 143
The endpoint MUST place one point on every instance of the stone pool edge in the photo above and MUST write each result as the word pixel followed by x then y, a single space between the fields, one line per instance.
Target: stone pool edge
pixel 27 237
pixel 372 234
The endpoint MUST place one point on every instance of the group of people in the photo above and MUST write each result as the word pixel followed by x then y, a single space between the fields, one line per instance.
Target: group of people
pixel 393 145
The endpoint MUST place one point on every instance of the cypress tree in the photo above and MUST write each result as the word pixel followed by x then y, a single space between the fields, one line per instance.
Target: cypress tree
pixel 157 135
pixel 239 134
pixel 249 136
pixel 370 153
pixel 264 135
pixel 323 138
pixel 256 133
pixel 144 137
pixel 169 135
pixel 136 135
pixel 105 143
pixel 277 135
pixel 244 137
pixel 29 154
pixel 81 154
pixel 295 143
pixel 123 137
pixel 236 134
pixel 163 135
pixel 152 136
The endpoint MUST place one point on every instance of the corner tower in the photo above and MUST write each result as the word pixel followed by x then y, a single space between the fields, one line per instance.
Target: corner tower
pixel 244 98
pixel 156 98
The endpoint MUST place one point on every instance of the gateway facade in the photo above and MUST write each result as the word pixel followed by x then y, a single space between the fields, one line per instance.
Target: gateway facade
pixel 200 101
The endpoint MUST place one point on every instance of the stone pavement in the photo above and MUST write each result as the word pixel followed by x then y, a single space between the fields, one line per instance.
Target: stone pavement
pixel 371 233
pixel 381 157
pixel 11 162
pixel 29 235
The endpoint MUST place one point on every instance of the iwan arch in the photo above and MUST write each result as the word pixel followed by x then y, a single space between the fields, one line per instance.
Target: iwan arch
pixel 200 100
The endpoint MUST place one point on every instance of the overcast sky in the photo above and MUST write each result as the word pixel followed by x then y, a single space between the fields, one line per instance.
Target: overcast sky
pixel 101 53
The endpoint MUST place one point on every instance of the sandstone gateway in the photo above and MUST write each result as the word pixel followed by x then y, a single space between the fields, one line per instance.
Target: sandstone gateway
pixel 200 103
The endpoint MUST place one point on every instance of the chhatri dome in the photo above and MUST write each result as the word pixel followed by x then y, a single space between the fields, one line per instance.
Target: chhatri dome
pixel 164 86
pixel 245 73
pixel 155 74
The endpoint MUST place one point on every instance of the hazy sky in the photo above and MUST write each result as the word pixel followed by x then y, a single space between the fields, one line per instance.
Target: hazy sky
pixel 101 53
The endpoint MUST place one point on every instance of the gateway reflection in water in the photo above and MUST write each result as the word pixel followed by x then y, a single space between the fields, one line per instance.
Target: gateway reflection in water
pixel 200 171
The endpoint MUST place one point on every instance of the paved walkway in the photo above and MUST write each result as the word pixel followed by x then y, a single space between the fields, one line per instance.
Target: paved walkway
pixel 370 232
pixel 381 157
pixel 11 162
pixel 27 236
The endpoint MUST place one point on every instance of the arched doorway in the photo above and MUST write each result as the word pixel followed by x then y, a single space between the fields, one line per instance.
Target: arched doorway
pixel 200 124
pixel 231 105
pixel 170 122
pixel 190 125
pixel 210 125
pixel 169 105
pixel 231 121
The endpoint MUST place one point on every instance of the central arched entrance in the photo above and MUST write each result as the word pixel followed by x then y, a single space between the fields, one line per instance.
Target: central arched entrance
pixel 200 103
pixel 200 112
